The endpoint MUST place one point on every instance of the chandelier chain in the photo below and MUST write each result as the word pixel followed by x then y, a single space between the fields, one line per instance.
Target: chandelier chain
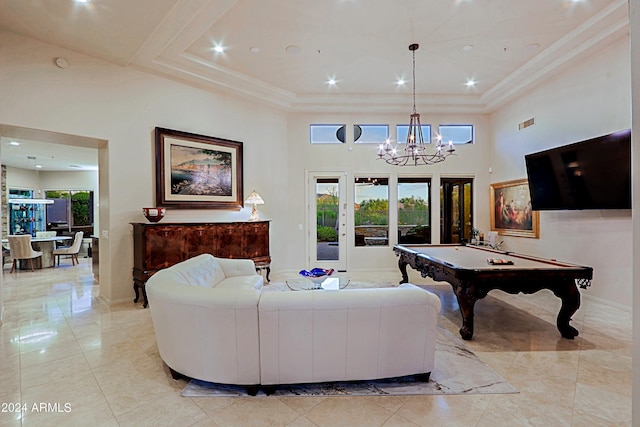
pixel 414 80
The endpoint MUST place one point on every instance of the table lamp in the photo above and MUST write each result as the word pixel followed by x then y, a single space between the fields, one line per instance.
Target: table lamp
pixel 255 199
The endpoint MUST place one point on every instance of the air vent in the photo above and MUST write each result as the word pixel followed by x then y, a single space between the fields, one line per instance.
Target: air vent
pixel 526 123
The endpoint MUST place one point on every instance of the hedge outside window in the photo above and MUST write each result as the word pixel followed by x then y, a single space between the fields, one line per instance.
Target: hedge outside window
pixel 75 208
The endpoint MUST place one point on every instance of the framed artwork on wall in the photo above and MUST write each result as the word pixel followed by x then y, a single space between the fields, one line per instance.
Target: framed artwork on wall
pixel 197 172
pixel 511 213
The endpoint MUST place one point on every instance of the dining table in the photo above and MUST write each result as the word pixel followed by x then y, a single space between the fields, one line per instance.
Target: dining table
pixel 46 245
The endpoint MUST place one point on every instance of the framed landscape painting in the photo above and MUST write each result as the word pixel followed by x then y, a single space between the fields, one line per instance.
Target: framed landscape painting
pixel 197 171
pixel 511 213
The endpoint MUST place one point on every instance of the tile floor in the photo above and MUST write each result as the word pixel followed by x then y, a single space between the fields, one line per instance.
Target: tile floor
pixel 67 359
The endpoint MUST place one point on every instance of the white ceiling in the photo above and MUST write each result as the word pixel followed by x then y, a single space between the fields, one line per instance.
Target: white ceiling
pixel 363 44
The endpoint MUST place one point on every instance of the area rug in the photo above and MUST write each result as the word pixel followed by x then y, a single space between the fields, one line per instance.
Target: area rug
pixel 457 371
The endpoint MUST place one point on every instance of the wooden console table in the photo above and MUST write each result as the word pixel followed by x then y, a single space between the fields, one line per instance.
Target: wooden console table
pixel 157 246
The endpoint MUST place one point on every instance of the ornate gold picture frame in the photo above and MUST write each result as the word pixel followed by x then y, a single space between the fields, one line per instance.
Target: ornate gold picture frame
pixel 511 213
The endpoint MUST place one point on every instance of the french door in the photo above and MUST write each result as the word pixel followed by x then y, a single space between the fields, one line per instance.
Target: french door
pixel 456 215
pixel 327 220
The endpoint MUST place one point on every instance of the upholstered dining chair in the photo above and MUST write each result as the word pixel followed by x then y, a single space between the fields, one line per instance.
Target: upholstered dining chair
pixel 20 248
pixel 71 251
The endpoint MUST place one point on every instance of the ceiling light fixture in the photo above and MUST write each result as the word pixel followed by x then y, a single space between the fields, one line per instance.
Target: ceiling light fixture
pixel 415 152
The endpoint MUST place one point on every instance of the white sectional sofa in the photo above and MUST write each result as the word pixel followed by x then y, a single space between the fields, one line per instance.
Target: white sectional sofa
pixel 205 318
pixel 213 323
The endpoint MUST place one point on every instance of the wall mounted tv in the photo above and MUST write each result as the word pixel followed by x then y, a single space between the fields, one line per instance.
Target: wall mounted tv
pixel 591 174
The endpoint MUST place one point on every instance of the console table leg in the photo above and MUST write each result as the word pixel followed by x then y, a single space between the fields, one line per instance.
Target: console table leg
pixel 135 289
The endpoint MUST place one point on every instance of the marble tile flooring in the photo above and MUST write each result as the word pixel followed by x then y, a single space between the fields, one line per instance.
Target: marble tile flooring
pixel 68 359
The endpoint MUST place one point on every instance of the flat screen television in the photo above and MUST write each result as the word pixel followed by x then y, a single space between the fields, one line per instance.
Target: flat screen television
pixel 591 174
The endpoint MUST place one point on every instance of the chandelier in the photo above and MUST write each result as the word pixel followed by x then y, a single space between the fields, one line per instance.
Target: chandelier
pixel 415 152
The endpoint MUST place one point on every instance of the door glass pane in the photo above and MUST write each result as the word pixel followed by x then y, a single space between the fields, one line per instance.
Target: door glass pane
pixel 327 191
pixel 456 213
pixel 371 211
pixel 414 226
pixel 466 213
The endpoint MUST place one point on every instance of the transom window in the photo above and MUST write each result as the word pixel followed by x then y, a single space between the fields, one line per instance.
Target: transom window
pixel 403 130
pixel 327 134
pixel 370 134
pixel 459 134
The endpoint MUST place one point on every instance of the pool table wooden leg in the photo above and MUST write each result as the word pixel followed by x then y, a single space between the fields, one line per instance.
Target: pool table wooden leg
pixel 466 302
pixel 570 297
pixel 402 265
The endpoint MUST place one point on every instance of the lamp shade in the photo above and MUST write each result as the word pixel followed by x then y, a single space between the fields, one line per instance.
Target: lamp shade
pixel 254 199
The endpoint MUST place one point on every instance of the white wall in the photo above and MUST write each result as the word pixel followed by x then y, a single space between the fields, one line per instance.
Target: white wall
pixel 591 98
pixel 123 106
pixel 23 179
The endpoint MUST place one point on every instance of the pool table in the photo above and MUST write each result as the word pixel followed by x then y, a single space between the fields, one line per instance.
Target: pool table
pixel 472 276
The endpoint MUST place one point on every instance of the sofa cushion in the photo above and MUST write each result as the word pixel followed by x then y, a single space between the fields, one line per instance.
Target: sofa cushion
pixel 239 283
pixel 202 270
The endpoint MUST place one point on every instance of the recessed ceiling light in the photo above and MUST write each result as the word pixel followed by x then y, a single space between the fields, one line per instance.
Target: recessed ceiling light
pixel 82 1
pixel 470 83
pixel 401 82
pixel 39 166
pixel 293 49
pixel 61 63
pixel 254 49
pixel 467 48
pixel 218 48
pixel 531 48
pixel 332 81
pixel 14 143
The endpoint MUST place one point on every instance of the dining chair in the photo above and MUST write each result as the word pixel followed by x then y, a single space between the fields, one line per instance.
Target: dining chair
pixel 71 251
pixel 5 254
pixel 20 248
